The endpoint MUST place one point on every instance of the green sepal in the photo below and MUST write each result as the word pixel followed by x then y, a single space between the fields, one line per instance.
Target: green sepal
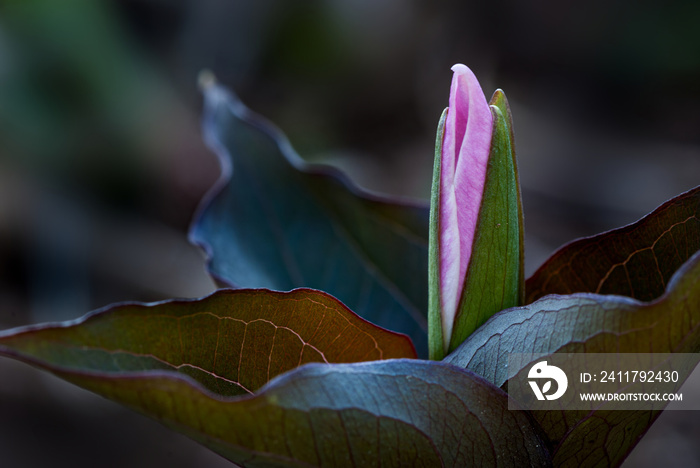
pixel 495 279
pixel 436 347
pixel 499 100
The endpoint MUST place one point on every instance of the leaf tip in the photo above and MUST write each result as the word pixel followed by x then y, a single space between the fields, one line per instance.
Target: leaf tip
pixel 206 80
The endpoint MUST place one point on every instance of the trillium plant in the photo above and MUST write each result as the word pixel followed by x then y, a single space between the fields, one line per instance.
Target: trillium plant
pixel 359 330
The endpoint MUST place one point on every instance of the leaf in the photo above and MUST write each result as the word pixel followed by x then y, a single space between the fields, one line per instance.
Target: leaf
pixel 589 323
pixel 387 413
pixel 636 260
pixel 273 221
pixel 232 342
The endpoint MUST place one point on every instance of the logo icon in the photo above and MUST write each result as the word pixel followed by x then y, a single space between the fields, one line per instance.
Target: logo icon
pixel 543 371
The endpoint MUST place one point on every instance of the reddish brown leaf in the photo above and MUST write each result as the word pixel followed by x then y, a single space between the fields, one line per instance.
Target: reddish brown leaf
pixel 636 260
pixel 232 342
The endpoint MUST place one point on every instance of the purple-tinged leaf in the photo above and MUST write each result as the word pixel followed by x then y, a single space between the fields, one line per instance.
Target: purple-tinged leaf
pixel 589 323
pixel 272 221
pixel 636 260
pixel 232 342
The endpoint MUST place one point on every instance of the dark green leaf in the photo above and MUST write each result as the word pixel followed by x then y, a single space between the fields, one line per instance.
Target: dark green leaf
pixel 636 261
pixel 590 323
pixel 232 342
pixel 274 222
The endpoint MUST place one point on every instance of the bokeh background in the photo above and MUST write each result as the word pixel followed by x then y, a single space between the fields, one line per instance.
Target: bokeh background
pixel 102 163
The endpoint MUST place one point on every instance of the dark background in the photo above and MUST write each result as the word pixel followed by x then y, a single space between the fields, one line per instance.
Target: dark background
pixel 102 164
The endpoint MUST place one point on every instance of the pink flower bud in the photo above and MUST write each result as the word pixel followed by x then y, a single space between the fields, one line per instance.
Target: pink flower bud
pixel 464 159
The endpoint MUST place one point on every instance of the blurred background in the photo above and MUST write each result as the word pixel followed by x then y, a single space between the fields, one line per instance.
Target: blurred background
pixel 102 163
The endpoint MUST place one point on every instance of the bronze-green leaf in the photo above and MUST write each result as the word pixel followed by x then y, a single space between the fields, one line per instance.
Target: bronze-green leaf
pixel 636 260
pixel 590 323
pixel 232 342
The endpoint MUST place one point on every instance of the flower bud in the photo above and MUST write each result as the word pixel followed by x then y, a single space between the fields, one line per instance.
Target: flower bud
pixel 475 233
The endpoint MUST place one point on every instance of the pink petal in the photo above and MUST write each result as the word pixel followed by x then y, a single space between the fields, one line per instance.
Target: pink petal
pixel 464 160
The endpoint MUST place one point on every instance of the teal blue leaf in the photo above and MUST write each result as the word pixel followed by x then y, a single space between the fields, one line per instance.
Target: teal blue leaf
pixel 272 221
pixel 390 413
